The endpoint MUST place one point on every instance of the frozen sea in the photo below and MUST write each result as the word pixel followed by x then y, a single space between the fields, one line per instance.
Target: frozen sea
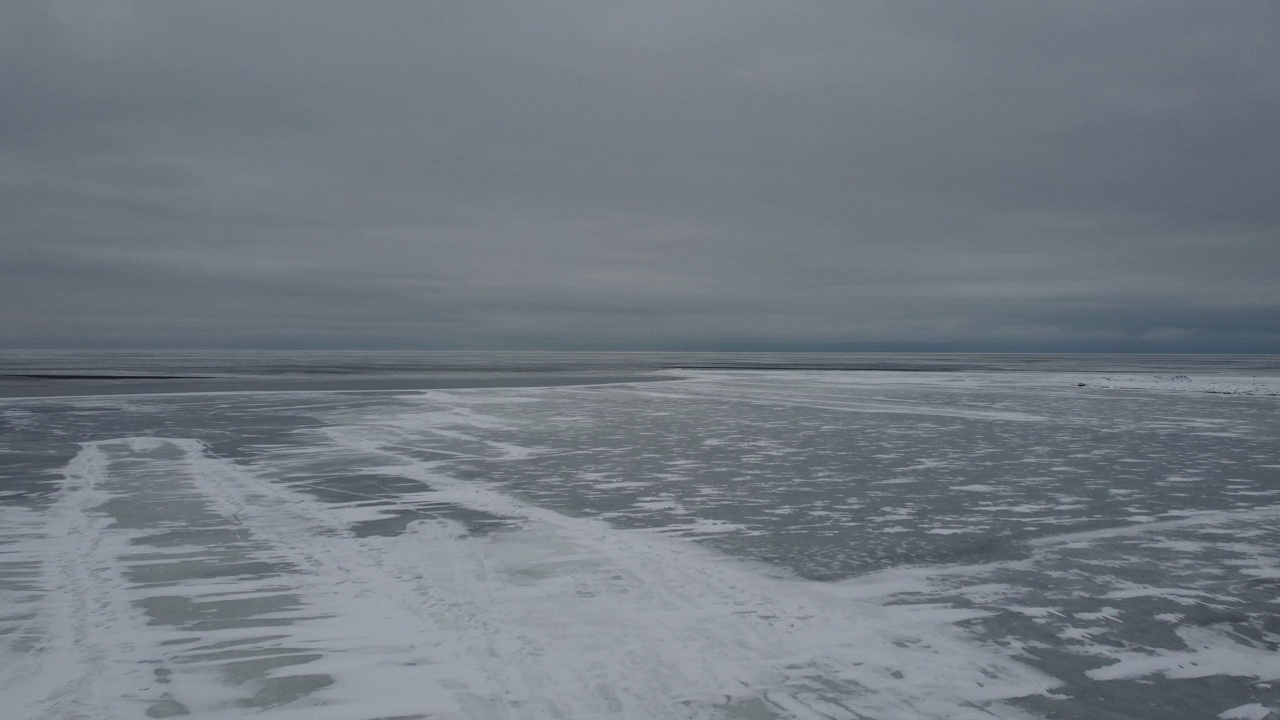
pixel 535 535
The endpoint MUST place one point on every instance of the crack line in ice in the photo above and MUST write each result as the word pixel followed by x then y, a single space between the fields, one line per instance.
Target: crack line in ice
pixel 1210 517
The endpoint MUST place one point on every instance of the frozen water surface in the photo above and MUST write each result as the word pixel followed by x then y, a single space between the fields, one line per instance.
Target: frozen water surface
pixel 782 544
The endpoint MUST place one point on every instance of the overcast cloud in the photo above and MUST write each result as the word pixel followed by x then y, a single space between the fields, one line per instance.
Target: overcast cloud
pixel 690 174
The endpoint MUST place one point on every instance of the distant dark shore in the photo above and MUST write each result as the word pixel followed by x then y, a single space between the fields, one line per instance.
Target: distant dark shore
pixel 67 376
pixel 70 385
pixel 31 373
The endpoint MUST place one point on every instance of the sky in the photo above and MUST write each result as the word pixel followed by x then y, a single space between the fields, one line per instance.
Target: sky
pixel 737 175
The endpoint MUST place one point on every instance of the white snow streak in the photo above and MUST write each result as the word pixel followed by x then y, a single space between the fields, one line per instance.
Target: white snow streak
pixel 168 581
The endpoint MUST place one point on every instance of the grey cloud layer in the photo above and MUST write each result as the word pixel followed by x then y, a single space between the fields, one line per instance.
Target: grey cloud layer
pixel 693 174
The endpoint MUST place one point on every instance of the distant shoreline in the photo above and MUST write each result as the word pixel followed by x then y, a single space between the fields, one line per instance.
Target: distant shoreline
pixel 72 376
pixel 50 385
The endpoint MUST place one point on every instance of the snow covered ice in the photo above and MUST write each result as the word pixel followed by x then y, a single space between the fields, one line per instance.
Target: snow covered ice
pixel 724 545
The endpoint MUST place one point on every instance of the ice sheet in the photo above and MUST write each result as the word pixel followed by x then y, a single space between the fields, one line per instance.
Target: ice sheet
pixel 750 545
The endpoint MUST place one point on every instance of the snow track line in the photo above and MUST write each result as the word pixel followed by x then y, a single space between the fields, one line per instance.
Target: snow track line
pixel 79 655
